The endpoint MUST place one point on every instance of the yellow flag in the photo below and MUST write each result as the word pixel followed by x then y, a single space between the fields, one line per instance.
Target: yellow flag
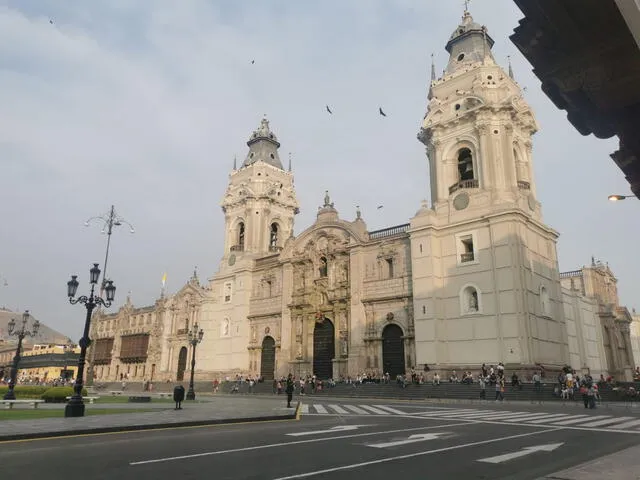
pixel 164 279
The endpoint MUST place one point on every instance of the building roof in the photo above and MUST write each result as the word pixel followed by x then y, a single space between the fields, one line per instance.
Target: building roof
pixel 263 146
pixel 45 334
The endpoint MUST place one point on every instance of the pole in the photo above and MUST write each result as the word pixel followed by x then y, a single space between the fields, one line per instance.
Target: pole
pixel 10 395
pixel 75 407
pixel 191 394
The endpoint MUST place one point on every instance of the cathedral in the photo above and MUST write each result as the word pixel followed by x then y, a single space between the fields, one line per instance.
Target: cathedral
pixel 472 278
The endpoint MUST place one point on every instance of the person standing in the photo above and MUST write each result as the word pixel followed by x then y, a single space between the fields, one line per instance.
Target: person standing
pixel 289 390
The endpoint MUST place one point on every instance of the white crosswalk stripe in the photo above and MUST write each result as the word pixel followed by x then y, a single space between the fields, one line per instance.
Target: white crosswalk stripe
pixel 349 409
pixel 601 422
pixel 543 419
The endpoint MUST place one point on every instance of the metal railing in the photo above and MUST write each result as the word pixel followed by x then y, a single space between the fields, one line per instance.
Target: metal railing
pixel 466 257
pixel 473 183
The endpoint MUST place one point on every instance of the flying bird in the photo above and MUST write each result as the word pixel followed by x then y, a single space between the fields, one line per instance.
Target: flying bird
pixel 51 22
pixel 252 62
pixel 329 110
pixel 380 206
pixel 381 112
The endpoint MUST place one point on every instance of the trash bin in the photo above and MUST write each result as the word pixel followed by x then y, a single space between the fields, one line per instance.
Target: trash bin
pixel 178 396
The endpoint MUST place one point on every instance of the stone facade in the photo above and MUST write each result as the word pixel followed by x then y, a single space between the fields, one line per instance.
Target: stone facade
pixel 472 278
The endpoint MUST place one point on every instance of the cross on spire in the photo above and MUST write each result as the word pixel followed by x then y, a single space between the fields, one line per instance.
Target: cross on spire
pixel 466 6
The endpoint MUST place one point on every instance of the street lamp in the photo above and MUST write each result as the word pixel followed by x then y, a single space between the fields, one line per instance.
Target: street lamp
pixel 195 337
pixel 75 407
pixel 108 220
pixel 615 198
pixel 23 332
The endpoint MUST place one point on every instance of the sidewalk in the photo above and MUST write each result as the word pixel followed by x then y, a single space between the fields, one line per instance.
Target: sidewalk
pixel 216 411
pixel 622 465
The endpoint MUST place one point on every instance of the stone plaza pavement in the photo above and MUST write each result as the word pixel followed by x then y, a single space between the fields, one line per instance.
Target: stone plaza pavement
pixel 208 411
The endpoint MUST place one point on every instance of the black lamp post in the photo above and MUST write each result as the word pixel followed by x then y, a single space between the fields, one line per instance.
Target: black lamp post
pixel 23 332
pixel 75 407
pixel 195 337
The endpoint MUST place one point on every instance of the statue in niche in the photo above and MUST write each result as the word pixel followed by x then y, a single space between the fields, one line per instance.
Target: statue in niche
pixel 299 351
pixel 254 334
pixel 344 347
pixel 299 325
pixel 473 301
pixel 343 272
pixel 343 321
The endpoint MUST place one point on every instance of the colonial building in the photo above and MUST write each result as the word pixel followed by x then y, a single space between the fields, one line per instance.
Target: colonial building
pixel 472 278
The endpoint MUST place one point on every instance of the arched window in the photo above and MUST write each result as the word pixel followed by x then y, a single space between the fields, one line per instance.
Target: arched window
pixel 241 235
pixel 470 300
pixel 273 236
pixel 323 270
pixel 465 164
pixel 545 302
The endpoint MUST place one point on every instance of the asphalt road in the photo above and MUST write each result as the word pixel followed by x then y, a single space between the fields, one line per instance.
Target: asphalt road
pixel 413 440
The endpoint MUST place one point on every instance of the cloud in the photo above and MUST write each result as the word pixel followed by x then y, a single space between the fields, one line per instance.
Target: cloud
pixel 145 104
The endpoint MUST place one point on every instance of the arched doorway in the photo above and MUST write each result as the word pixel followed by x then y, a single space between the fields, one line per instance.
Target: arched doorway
pixel 268 358
pixel 393 350
pixel 182 364
pixel 324 349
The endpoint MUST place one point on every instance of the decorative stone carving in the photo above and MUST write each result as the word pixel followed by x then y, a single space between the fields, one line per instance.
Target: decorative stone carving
pixel 390 317
pixel 254 334
pixel 344 347
pixel 299 351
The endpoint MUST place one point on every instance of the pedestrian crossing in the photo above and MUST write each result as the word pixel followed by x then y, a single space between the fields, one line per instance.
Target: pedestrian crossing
pixel 348 409
pixel 568 419
pixel 599 422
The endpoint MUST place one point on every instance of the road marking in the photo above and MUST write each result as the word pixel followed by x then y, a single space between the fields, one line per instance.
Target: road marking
pixel 337 408
pixel 550 418
pixel 339 428
pixel 525 451
pixel 632 423
pixel 320 408
pixel 578 419
pixel 357 410
pixel 374 410
pixel 297 442
pixel 410 455
pixel 526 418
pixel 392 410
pixel 420 437
pixel 600 423
pixel 305 408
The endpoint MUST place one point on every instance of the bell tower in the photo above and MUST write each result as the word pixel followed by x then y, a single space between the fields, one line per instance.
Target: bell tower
pixel 485 270
pixel 478 129
pixel 260 202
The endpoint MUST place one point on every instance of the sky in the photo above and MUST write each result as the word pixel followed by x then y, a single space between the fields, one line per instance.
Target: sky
pixel 144 104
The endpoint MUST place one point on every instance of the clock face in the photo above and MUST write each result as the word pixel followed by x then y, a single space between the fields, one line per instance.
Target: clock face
pixel 232 259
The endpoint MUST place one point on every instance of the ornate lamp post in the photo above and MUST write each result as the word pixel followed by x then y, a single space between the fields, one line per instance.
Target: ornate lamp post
pixel 23 332
pixel 75 407
pixel 108 221
pixel 195 337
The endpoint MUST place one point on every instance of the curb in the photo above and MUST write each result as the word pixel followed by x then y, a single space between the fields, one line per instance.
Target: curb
pixel 156 426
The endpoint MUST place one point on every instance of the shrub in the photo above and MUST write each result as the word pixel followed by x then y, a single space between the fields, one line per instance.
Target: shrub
pixel 25 392
pixel 59 394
